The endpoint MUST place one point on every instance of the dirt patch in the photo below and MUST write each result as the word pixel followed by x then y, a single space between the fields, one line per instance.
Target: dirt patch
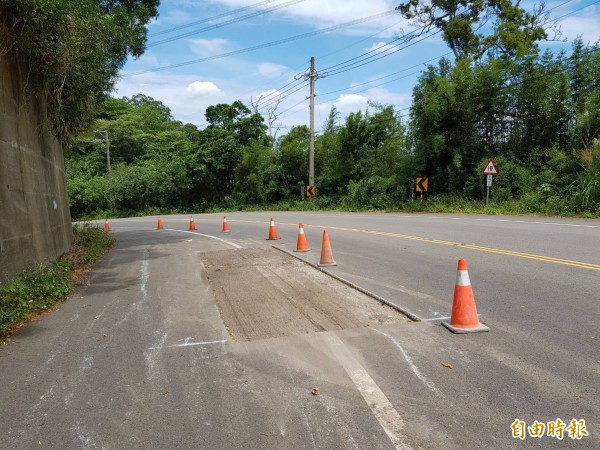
pixel 263 293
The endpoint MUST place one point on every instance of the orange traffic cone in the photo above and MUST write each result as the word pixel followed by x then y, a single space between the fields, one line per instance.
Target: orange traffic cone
pixel 106 226
pixel 192 224
pixel 301 245
pixel 272 231
pixel 464 312
pixel 326 253
pixel 160 224
pixel 225 225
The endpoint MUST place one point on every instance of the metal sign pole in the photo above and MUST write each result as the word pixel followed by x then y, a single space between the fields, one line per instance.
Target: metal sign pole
pixel 487 197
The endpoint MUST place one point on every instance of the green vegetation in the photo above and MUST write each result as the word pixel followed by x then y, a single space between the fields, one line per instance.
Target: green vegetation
pixel 537 117
pixel 70 51
pixel 536 113
pixel 36 291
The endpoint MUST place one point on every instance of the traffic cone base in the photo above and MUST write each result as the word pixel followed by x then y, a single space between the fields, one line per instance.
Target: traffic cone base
pixel 326 253
pixel 464 312
pixel 159 226
pixel 192 224
pixel 301 245
pixel 272 232
pixel 460 330
pixel 327 264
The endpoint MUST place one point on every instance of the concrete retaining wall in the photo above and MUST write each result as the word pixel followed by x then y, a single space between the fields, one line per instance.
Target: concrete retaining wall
pixel 35 222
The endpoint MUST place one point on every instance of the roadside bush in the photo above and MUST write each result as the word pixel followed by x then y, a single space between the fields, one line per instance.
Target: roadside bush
pixel 38 290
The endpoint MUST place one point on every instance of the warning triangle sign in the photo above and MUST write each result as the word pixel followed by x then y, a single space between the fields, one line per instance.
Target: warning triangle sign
pixel 490 168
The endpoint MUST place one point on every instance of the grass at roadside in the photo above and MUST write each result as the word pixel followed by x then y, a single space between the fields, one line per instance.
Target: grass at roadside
pixel 37 291
pixel 434 204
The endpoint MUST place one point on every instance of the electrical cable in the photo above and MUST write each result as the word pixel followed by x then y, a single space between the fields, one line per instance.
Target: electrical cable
pixel 209 19
pixel 264 45
pixel 225 23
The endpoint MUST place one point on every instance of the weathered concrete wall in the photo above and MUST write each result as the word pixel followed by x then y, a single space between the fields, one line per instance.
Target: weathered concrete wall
pixel 35 223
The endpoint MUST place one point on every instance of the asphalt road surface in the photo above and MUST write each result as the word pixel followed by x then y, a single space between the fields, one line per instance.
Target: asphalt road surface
pixel 140 357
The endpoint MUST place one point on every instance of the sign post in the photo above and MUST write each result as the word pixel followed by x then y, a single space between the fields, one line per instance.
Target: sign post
pixel 490 170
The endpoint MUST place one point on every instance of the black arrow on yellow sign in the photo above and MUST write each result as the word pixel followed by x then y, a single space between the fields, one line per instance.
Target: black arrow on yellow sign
pixel 422 184
pixel 311 191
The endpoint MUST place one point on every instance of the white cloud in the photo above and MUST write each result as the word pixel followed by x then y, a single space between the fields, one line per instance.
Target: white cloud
pixel 379 47
pixel 386 97
pixel 204 89
pixel 208 47
pixel 351 102
pixel 271 70
pixel 587 27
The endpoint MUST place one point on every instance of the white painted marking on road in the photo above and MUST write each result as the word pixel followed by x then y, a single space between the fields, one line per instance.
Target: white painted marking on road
pixel 187 344
pixel 382 409
pixel 206 235
pixel 412 365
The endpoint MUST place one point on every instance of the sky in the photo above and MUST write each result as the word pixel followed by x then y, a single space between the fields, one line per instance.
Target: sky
pixel 202 53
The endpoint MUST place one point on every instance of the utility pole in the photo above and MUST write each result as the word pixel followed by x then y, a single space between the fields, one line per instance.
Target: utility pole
pixel 107 143
pixel 312 76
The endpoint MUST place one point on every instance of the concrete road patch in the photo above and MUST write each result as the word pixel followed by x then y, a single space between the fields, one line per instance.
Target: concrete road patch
pixel 263 293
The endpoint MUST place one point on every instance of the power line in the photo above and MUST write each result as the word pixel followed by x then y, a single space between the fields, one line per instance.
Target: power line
pixel 278 92
pixel 278 99
pixel 389 75
pixel 355 65
pixel 374 50
pixel 209 19
pixel 360 40
pixel 364 59
pixel 265 45
pixel 372 59
pixel 225 23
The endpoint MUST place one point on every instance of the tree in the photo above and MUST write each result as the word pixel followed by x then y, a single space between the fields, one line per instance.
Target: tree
pixel 293 157
pixel 514 32
pixel 88 40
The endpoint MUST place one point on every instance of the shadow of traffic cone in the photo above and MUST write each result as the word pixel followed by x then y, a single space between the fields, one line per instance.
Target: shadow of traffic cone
pixel 464 312
pixel 326 253
pixel 192 224
pixel 159 226
pixel 225 225
pixel 106 226
pixel 272 232
pixel 301 245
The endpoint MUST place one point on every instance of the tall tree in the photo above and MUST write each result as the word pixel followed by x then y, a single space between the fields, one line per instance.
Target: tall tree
pixel 73 50
pixel 513 31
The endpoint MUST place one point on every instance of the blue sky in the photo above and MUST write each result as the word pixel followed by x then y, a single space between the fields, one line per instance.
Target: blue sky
pixel 386 75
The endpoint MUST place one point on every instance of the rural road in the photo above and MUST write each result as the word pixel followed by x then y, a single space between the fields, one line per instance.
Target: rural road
pixel 140 356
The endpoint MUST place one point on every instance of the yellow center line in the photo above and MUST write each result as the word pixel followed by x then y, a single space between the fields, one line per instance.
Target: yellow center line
pixel 499 251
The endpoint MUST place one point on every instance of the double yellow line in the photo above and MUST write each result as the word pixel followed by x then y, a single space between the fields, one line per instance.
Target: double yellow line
pixel 499 251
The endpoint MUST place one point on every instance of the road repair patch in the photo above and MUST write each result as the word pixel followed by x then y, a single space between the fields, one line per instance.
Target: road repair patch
pixel 264 293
